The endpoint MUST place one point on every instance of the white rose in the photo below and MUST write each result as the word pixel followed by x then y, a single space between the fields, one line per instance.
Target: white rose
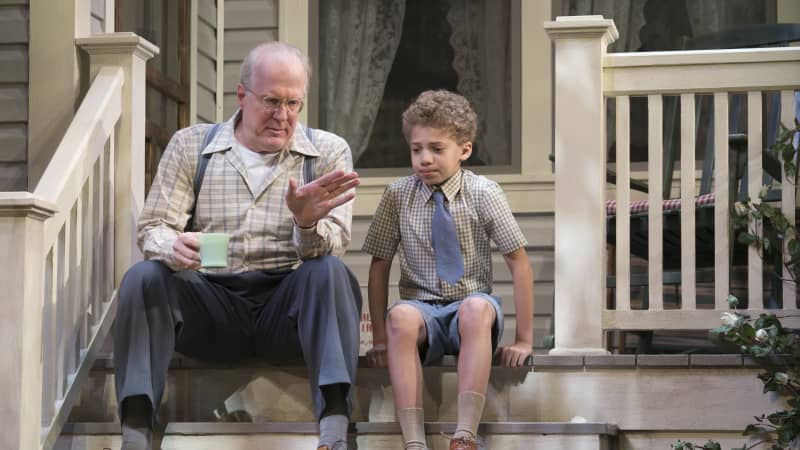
pixel 729 319
pixel 763 192
pixel 781 378
pixel 762 336
pixel 740 208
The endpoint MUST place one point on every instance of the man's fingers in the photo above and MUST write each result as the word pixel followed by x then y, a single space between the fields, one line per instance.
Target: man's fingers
pixel 189 240
pixel 345 187
pixel 184 262
pixel 292 192
pixel 329 177
pixel 335 203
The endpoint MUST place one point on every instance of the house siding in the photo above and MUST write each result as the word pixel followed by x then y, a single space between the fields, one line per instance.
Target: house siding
pixel 14 26
pixel 247 24
pixel 206 60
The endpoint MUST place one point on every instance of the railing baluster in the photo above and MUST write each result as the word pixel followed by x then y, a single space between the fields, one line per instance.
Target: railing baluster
pixel 99 233
pixel 788 200
pixel 87 260
pixel 72 331
pixel 655 216
pixel 623 242
pixel 60 301
pixel 721 203
pixel 108 191
pixel 755 269
pixel 688 285
pixel 48 335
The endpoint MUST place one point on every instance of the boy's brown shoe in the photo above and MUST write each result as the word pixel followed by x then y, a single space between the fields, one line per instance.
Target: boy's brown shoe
pixel 463 444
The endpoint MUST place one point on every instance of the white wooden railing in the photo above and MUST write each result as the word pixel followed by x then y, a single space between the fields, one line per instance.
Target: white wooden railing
pixel 585 77
pixel 68 243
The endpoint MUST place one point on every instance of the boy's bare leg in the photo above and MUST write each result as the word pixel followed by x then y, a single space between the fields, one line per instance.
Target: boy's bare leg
pixel 475 319
pixel 405 331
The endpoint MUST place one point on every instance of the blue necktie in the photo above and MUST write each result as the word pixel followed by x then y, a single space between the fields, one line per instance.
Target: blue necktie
pixel 446 247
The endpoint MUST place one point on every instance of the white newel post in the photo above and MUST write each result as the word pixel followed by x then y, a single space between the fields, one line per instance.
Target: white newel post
pixel 130 52
pixel 22 217
pixel 580 162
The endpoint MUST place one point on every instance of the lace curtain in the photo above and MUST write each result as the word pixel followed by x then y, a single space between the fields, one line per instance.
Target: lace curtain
pixel 628 16
pixel 360 39
pixel 482 60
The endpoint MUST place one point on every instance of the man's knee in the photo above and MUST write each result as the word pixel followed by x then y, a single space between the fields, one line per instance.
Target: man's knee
pixel 143 273
pixel 324 266
pixel 143 280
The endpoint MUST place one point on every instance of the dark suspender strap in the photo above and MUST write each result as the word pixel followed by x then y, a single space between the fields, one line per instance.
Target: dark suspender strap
pixel 308 161
pixel 202 163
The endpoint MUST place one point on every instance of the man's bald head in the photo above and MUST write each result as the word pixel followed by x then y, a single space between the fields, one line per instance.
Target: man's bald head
pixel 276 52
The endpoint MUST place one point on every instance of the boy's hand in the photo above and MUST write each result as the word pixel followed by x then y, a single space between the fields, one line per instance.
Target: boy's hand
pixel 376 356
pixel 315 200
pixel 515 355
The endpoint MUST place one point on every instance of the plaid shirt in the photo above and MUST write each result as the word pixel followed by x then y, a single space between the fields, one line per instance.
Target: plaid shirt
pixel 403 219
pixel 261 227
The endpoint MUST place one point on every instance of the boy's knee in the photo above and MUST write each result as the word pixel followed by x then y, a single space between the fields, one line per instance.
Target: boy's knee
pixel 475 312
pixel 404 320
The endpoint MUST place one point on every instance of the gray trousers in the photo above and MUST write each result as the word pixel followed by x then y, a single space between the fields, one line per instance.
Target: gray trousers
pixel 311 312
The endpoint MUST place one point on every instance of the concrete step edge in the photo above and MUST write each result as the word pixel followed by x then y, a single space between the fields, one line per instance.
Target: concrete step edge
pixel 361 428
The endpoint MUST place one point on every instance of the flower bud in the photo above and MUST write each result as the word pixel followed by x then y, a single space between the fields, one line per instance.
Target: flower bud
pixel 781 378
pixel 762 336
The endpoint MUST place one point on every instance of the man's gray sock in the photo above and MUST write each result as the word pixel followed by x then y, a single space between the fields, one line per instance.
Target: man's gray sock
pixel 136 438
pixel 333 429
pixel 137 433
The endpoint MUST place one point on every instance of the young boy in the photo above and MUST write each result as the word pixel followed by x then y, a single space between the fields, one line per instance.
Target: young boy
pixel 446 307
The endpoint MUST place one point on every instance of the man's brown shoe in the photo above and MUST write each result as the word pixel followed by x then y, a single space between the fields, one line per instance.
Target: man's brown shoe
pixel 463 444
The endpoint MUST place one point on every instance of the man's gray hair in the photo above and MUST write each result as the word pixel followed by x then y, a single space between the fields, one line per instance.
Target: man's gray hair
pixel 261 51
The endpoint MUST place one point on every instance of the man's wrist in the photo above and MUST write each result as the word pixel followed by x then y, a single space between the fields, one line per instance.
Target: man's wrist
pixel 304 226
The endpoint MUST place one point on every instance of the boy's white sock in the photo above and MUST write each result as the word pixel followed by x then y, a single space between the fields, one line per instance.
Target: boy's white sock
pixel 412 424
pixel 470 410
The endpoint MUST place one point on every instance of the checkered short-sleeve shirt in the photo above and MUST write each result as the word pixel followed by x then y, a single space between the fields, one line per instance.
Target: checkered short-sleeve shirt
pixel 403 222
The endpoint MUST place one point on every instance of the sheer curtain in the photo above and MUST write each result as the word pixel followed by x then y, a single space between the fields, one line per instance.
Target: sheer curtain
pixel 628 16
pixel 358 43
pixel 482 59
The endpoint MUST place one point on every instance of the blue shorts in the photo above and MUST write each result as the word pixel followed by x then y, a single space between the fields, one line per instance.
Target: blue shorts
pixel 441 321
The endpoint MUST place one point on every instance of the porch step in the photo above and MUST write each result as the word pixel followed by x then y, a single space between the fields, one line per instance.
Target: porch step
pixel 363 435
pixel 199 391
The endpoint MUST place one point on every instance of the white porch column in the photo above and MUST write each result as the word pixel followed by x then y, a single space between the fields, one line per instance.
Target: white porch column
pixel 22 216
pixel 130 52
pixel 580 164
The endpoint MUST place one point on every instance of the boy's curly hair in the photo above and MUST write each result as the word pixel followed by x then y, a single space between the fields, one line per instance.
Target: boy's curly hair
pixel 443 110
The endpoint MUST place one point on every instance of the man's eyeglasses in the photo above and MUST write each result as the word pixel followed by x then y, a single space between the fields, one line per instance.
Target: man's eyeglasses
pixel 272 104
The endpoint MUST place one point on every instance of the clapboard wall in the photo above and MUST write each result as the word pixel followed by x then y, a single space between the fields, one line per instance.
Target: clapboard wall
pixel 14 31
pixel 247 24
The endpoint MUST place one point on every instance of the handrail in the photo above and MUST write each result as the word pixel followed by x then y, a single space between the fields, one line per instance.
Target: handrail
pixel 691 71
pixel 85 138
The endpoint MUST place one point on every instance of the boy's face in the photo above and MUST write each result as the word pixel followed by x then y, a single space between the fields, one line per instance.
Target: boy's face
pixel 435 156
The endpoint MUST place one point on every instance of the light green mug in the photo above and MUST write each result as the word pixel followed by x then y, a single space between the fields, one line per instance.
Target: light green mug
pixel 214 250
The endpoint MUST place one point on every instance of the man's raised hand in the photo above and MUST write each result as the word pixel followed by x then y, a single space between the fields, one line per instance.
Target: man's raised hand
pixel 315 200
